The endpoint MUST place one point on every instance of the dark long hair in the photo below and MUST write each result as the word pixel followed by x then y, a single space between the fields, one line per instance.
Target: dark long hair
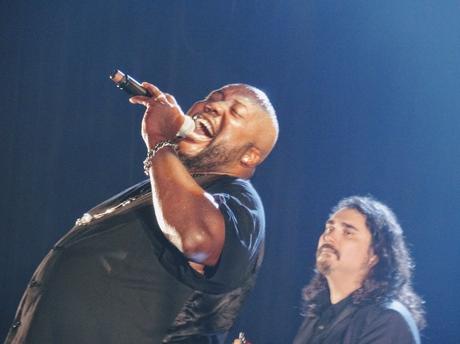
pixel 391 278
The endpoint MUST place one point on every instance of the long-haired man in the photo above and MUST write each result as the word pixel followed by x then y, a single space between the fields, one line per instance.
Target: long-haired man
pixel 361 291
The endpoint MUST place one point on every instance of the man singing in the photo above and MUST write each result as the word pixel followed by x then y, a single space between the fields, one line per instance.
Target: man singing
pixel 170 260
pixel 361 293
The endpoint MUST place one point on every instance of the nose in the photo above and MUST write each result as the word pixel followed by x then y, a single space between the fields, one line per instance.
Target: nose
pixel 329 236
pixel 214 108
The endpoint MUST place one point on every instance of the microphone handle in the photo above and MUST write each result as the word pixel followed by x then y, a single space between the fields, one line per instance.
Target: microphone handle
pixel 128 84
pixel 134 88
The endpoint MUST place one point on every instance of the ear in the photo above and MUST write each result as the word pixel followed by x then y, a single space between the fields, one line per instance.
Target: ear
pixel 251 158
pixel 373 260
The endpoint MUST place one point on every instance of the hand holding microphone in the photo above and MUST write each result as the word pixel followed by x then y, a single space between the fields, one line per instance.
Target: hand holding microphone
pixel 163 114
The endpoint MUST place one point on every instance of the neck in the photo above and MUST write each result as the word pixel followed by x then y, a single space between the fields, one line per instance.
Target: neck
pixel 341 287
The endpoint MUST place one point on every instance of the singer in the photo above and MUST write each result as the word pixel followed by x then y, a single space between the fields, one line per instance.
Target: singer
pixel 171 259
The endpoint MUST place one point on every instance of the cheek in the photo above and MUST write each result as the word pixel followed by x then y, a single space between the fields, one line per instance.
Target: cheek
pixel 351 252
pixel 238 130
pixel 359 255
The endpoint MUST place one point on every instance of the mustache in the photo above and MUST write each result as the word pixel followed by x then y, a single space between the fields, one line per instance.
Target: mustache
pixel 330 247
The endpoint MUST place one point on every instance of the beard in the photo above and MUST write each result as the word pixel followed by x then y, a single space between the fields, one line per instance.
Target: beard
pixel 211 157
pixel 323 265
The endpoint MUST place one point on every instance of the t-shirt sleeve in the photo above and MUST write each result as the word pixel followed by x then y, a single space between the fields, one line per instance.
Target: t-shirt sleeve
pixel 244 234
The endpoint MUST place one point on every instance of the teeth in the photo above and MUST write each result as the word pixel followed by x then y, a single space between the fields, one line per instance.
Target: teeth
pixel 206 125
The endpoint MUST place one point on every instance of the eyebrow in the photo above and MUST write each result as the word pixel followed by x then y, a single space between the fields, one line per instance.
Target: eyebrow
pixel 347 225
pixel 344 224
pixel 240 103
pixel 222 94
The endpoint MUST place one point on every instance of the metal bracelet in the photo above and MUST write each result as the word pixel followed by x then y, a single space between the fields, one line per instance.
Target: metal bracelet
pixel 153 151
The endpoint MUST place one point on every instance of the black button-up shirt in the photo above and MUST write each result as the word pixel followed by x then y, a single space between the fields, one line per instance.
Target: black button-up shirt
pixel 347 323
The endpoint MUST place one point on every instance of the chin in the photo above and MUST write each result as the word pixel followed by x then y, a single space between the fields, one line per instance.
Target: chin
pixel 324 267
pixel 190 149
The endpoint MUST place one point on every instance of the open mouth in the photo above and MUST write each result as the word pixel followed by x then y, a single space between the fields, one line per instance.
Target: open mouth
pixel 204 129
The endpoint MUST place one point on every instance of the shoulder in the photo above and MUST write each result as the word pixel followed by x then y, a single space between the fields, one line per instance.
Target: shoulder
pixel 402 316
pixel 391 321
pixel 237 190
pixel 394 312
pixel 244 232
pixel 243 214
pixel 234 186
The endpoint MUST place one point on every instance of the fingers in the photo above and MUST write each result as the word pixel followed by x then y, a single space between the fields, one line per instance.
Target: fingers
pixel 156 95
pixel 152 89
pixel 171 99
pixel 140 100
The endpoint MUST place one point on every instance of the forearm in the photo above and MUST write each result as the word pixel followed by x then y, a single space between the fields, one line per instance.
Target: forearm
pixel 186 214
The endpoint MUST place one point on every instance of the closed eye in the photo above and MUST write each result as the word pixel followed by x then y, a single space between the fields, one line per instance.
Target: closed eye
pixel 348 229
pixel 328 229
pixel 236 113
pixel 348 232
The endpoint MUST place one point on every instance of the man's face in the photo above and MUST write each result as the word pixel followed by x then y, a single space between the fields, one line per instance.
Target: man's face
pixel 226 124
pixel 345 248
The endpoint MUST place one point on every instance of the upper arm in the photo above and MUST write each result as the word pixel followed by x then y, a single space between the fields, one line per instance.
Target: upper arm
pixel 202 243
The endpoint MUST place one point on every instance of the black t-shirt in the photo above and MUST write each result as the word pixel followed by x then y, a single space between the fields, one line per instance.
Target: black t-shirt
pixel 117 279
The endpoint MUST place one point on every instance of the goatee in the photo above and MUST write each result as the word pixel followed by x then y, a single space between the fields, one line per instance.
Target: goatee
pixel 323 267
pixel 211 157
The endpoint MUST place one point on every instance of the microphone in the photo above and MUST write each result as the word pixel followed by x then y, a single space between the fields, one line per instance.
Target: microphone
pixel 134 88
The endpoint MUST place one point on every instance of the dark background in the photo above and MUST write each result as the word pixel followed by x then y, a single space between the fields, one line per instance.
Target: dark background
pixel 367 94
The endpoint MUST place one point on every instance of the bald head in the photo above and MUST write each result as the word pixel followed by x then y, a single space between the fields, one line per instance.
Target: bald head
pixel 236 128
pixel 265 123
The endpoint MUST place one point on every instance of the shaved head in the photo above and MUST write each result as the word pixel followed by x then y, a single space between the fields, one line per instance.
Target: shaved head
pixel 266 122
pixel 236 128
